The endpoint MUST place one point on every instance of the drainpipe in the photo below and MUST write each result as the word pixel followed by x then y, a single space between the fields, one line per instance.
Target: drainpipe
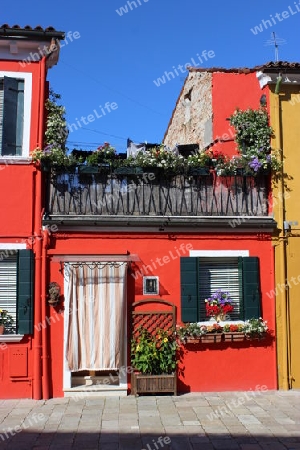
pixel 282 248
pixel 37 348
pixel 45 377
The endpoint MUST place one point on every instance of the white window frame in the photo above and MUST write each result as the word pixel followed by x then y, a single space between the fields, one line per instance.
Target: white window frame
pixel 11 337
pixel 27 77
pixel 219 254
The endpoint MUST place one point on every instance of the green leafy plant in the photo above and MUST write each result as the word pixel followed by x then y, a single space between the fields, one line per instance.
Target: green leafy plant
pixel 233 328
pixel 253 138
pixel 253 132
pixel 214 328
pixel 255 328
pixel 154 353
pixel 56 126
pixel 52 154
pixel 56 134
pixel 159 157
pixel 199 159
pixel 191 330
pixel 5 318
pixel 104 154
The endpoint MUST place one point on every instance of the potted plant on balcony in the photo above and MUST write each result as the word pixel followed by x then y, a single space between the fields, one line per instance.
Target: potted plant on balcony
pixel 253 138
pixel 218 305
pixel 153 358
pixel 6 320
pixel 199 163
pixel 100 160
pixel 160 160
pixel 53 156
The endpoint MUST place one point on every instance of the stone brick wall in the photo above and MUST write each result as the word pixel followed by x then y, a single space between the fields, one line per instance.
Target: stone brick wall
pixel 192 117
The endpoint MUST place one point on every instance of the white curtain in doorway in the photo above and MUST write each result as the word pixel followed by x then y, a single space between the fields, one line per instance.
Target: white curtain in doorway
pixel 95 322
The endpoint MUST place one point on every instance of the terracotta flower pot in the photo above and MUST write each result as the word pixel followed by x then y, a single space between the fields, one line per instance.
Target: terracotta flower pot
pixel 2 328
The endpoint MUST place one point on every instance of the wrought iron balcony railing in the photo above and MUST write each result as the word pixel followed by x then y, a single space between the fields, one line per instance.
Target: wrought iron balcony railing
pixel 106 194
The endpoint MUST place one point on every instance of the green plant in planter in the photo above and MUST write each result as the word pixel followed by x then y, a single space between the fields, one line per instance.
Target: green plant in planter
pixel 52 155
pixel 56 134
pixel 233 328
pixel 253 132
pixel 154 353
pixel 191 330
pixel 160 158
pixel 253 138
pixel 255 328
pixel 56 126
pixel 104 154
pixel 198 160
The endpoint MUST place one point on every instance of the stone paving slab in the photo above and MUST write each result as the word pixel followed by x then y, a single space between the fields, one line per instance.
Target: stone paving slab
pixel 208 421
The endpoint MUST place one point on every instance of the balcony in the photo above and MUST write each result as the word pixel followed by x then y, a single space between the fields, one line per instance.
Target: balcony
pixel 157 199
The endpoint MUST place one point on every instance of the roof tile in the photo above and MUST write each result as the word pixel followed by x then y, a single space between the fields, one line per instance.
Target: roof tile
pixel 269 65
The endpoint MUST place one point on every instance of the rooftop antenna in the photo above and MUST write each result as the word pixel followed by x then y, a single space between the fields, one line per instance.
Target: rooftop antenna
pixel 276 41
pixel 276 47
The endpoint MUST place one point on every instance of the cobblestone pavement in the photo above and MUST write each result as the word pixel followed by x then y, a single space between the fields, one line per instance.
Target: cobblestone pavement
pixel 204 421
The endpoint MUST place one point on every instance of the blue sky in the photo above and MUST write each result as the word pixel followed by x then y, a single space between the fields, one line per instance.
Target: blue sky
pixel 119 55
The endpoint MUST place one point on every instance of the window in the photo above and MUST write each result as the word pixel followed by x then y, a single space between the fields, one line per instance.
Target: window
pixel 150 286
pixel 16 288
pixel 201 276
pixel 15 104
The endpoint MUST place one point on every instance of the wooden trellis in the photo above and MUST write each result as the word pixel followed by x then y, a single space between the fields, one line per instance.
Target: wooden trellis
pixel 152 319
pixel 161 314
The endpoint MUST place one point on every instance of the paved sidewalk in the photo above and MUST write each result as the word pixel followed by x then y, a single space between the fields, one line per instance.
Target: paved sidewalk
pixel 204 421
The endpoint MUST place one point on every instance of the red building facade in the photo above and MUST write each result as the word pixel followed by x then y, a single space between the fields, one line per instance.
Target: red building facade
pixel 123 238
pixel 25 57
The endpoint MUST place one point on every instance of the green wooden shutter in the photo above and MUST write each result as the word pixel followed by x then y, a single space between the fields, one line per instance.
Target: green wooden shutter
pixel 25 292
pixel 189 289
pixel 251 306
pixel 10 108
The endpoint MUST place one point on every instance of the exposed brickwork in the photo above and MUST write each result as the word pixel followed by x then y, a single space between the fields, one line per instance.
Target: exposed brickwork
pixel 192 112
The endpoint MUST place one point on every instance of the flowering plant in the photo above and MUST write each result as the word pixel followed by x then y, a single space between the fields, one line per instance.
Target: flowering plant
pixel 198 159
pixel 5 318
pixel 154 353
pixel 255 328
pixel 218 304
pixel 53 154
pixel 215 328
pixel 216 154
pixel 159 157
pixel 104 153
pixel 253 138
pixel 233 328
pixel 191 330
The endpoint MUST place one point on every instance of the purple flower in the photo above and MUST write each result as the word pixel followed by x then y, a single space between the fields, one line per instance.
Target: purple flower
pixel 255 164
pixel 220 297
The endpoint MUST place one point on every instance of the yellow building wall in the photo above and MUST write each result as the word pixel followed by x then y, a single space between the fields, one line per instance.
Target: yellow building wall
pixel 285 120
